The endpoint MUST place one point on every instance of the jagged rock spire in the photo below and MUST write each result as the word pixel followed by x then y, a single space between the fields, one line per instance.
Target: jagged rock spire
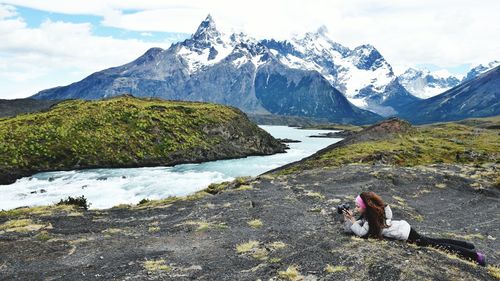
pixel 207 30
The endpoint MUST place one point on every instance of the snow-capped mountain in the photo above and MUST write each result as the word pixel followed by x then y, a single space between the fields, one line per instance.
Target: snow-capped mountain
pixel 361 74
pixel 477 97
pixel 231 69
pixel 475 71
pixel 424 84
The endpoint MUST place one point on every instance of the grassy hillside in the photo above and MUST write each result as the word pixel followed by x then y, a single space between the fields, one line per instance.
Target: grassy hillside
pixel 472 141
pixel 127 131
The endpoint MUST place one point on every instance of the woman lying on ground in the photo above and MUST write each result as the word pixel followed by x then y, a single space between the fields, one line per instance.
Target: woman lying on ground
pixel 376 221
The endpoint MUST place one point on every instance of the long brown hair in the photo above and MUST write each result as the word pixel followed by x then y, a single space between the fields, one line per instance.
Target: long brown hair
pixel 374 213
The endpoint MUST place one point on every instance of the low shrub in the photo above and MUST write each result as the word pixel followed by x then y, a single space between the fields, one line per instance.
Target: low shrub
pixel 80 202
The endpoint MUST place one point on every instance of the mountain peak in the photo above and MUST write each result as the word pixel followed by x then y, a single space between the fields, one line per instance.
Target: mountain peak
pixel 209 19
pixel 412 72
pixel 423 83
pixel 368 47
pixel 322 30
pixel 476 71
pixel 367 57
pixel 207 30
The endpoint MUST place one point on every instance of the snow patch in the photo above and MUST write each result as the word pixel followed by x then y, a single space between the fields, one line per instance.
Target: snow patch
pixel 359 102
pixel 197 59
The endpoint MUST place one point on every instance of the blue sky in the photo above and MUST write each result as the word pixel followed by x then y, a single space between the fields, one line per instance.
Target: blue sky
pixel 460 69
pixel 34 18
pixel 57 42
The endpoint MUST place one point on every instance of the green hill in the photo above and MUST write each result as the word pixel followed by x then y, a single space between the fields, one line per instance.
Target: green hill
pixel 126 132
pixel 396 142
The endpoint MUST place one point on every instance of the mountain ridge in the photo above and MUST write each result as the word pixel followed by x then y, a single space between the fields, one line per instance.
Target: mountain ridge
pixel 426 84
pixel 361 74
pixel 478 97
pixel 214 67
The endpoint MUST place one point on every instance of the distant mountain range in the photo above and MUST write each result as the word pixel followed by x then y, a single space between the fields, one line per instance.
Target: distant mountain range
pixel 476 71
pixel 361 74
pixel 477 97
pixel 424 84
pixel 308 76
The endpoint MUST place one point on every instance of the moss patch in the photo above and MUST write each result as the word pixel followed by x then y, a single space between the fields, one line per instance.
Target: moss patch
pixel 42 211
pixel 277 245
pixel 113 231
pixel 201 226
pixel 313 194
pixel 333 269
pixel 165 203
pixel 244 187
pixel 20 225
pixel 43 236
pixel 291 273
pixel 261 251
pixel 247 246
pixel 156 265
pixel 256 223
pixel 494 271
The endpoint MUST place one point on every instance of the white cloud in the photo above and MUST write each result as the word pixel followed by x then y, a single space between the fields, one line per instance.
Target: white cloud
pixel 443 73
pixel 55 53
pixel 445 33
pixel 7 11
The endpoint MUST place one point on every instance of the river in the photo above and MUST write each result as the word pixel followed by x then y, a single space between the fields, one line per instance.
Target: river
pixel 105 188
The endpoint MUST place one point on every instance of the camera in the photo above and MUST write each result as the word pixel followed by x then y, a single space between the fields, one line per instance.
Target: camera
pixel 342 207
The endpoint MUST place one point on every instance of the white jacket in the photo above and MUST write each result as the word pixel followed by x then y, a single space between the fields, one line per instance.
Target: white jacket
pixel 396 229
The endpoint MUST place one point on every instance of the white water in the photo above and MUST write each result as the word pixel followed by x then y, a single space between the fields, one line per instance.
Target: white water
pixel 105 188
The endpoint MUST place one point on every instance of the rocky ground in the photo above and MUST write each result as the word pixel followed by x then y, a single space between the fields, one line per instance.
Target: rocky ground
pixel 262 227
pixel 278 226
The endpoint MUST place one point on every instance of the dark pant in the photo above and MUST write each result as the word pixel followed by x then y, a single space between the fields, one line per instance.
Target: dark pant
pixel 461 248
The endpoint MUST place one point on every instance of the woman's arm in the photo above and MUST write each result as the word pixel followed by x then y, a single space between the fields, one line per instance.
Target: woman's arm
pixel 360 228
pixel 388 215
pixel 347 226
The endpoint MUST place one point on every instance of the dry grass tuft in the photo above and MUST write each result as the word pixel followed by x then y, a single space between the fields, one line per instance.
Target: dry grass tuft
pixel 333 269
pixel 256 223
pixel 156 265
pixel 291 273
pixel 247 247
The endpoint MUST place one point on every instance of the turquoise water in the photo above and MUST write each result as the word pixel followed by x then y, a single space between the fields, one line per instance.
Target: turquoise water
pixel 105 188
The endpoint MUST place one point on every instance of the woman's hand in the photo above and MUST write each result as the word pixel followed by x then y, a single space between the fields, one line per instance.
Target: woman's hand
pixel 348 215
